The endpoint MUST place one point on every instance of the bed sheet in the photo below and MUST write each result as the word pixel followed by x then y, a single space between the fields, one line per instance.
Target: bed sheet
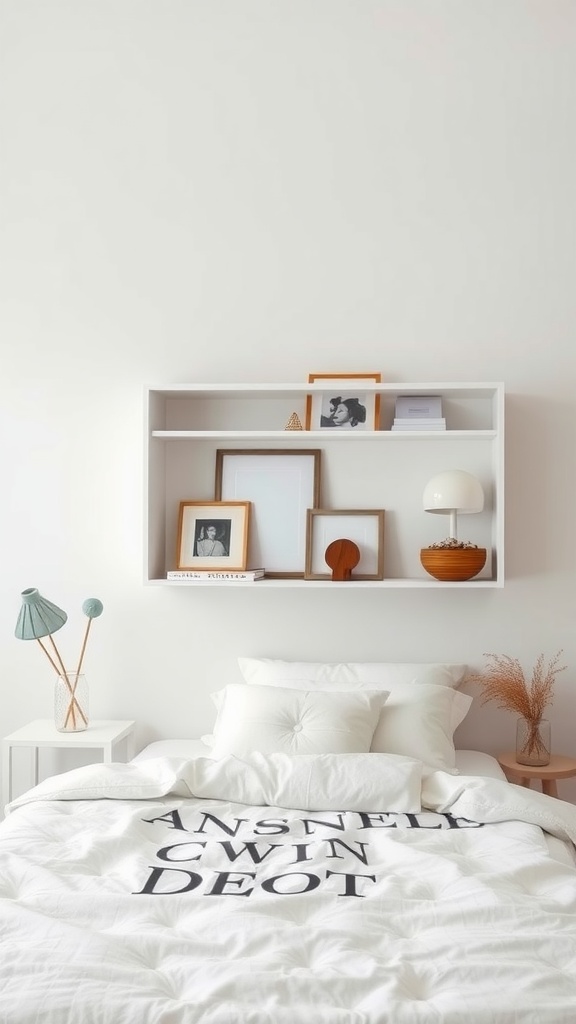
pixel 468 762
pixel 175 891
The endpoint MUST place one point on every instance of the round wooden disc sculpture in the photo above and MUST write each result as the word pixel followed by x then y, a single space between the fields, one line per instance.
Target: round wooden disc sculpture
pixel 342 556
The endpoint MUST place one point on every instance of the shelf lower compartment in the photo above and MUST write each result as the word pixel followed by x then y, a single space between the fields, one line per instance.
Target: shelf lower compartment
pixel 391 584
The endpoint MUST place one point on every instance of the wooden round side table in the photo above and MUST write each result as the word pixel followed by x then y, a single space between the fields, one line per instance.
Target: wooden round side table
pixel 559 768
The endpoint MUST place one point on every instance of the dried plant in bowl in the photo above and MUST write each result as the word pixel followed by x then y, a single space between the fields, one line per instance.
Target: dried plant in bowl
pixel 452 544
pixel 504 682
pixel 452 559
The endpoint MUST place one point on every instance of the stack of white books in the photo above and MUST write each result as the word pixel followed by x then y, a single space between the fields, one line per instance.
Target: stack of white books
pixel 216 575
pixel 419 412
pixel 419 424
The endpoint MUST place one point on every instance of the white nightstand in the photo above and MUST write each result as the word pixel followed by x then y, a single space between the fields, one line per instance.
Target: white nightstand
pixel 103 735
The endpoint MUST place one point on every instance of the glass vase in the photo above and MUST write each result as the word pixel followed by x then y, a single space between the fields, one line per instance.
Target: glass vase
pixel 533 741
pixel 71 702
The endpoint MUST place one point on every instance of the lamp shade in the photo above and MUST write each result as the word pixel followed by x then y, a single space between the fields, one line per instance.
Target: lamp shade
pixel 453 491
pixel 38 617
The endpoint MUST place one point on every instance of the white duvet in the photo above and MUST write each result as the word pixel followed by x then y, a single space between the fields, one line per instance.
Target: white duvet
pixel 285 890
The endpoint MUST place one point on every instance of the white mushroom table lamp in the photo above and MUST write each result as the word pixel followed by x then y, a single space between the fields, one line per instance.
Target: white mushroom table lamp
pixel 452 493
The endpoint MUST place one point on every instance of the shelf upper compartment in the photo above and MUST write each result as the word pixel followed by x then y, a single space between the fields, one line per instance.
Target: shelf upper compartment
pixel 264 410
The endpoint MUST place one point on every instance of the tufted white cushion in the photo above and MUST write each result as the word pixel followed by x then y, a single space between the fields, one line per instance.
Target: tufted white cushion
pixel 306 675
pixel 273 719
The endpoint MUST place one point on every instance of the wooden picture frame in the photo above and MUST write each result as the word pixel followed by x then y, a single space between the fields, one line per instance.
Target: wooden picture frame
pixel 365 527
pixel 213 535
pixel 347 407
pixel 281 484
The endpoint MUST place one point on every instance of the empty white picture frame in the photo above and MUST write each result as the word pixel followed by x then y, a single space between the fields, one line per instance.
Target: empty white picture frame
pixel 282 485
pixel 365 527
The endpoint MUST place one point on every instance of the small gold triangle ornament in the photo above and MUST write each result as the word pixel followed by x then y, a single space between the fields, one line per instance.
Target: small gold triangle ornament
pixel 294 423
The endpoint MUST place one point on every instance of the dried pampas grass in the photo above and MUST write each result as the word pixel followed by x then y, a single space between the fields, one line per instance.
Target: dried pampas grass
pixel 504 682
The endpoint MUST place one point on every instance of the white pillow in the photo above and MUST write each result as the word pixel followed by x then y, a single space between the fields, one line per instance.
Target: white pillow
pixel 272 719
pixel 419 721
pixel 307 675
pixel 421 713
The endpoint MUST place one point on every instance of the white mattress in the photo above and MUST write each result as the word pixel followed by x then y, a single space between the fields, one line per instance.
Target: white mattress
pixel 475 762
pixel 172 748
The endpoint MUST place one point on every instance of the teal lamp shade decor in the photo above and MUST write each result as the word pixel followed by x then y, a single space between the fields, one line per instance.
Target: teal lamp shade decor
pixel 38 619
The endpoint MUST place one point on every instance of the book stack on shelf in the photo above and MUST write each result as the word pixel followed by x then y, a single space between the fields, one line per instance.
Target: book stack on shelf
pixel 216 576
pixel 419 412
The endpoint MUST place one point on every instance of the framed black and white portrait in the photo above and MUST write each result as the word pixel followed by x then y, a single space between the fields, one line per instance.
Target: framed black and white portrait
pixel 213 535
pixel 346 406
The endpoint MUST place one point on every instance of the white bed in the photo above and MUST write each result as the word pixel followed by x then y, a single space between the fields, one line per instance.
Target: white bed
pixel 281 887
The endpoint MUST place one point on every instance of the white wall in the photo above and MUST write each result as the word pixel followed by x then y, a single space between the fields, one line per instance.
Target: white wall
pixel 252 190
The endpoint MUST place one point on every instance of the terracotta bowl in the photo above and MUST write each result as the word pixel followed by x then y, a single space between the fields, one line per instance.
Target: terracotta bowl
pixel 453 563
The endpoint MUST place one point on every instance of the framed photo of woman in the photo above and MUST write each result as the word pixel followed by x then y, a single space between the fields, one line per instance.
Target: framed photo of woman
pixel 213 535
pixel 347 405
